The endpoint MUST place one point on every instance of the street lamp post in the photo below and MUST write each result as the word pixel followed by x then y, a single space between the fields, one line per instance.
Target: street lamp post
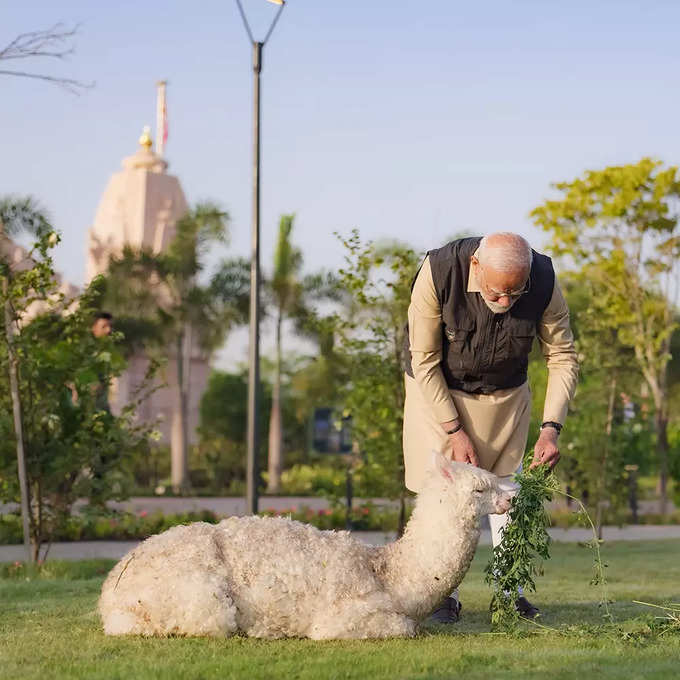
pixel 252 470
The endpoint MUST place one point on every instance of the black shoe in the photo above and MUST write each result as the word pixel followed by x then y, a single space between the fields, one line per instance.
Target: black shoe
pixel 526 609
pixel 447 612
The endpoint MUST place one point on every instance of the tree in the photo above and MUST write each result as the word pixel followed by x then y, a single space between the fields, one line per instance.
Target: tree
pixel 622 224
pixel 292 298
pixel 599 441
pixel 53 43
pixel 17 217
pixel 371 336
pixel 73 448
pixel 221 452
pixel 161 295
pixel 221 449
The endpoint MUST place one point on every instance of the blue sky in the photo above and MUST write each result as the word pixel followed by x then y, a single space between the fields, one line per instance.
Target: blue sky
pixel 403 119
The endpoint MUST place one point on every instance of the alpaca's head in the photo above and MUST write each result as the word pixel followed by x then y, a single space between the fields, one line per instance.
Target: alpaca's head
pixel 460 485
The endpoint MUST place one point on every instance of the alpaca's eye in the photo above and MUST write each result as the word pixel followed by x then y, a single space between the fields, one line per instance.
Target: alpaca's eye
pixel 479 490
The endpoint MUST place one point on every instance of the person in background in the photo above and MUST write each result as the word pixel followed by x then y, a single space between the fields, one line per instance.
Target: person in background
pixel 102 327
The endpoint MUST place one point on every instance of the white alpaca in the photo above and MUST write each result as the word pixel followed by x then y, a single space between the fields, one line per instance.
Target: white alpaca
pixel 273 578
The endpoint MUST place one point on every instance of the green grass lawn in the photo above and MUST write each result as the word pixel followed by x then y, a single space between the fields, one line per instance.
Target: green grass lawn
pixel 49 629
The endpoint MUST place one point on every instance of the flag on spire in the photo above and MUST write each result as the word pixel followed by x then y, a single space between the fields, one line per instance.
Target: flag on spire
pixel 161 119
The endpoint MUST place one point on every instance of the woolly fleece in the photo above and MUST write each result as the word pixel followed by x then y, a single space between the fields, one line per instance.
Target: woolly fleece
pixel 272 578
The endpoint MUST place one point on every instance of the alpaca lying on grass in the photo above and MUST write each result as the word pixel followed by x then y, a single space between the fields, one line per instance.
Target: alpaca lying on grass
pixel 271 577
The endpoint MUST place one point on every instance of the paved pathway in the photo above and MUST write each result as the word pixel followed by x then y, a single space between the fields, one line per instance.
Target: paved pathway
pixel 235 505
pixel 116 549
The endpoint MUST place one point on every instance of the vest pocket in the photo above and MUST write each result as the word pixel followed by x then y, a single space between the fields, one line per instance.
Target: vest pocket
pixel 522 334
pixel 457 355
pixel 456 337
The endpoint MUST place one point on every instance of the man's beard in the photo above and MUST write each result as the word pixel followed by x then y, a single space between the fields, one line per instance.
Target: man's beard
pixel 496 308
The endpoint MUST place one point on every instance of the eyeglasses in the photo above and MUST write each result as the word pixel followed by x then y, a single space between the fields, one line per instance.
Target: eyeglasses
pixel 494 295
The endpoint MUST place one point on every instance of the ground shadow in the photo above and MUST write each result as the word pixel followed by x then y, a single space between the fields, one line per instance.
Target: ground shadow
pixel 553 615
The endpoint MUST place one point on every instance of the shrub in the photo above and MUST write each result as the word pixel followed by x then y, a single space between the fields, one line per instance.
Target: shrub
pixel 92 525
pixel 10 529
pixel 302 480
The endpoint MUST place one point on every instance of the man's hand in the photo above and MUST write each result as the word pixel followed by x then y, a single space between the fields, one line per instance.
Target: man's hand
pixel 459 447
pixel 546 450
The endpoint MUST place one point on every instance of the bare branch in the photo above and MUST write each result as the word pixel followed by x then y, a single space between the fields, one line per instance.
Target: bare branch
pixel 72 86
pixel 53 43
pixel 57 55
pixel 33 43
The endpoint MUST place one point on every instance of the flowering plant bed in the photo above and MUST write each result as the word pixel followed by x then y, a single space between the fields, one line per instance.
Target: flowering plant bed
pixel 115 526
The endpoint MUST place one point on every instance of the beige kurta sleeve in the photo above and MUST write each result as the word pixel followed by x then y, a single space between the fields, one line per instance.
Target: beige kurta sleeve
pixel 425 337
pixel 557 344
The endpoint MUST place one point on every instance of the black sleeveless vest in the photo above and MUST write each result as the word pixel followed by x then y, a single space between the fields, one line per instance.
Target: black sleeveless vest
pixel 481 351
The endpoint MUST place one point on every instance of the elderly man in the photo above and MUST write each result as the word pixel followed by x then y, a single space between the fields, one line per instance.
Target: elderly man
pixel 476 306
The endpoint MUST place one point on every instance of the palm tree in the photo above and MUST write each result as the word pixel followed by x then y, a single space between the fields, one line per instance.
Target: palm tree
pixel 285 288
pixel 160 297
pixel 292 296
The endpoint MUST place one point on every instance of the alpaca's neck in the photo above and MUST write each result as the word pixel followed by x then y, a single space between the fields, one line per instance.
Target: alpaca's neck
pixel 432 556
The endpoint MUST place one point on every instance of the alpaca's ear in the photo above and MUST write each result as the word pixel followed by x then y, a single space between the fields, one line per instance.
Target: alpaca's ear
pixel 441 464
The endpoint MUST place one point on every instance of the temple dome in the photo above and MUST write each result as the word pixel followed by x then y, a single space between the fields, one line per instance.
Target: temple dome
pixel 140 207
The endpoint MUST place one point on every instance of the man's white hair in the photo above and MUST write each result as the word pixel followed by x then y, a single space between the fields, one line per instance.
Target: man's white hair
pixel 505 252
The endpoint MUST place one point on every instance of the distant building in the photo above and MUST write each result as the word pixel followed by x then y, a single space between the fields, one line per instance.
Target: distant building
pixel 140 207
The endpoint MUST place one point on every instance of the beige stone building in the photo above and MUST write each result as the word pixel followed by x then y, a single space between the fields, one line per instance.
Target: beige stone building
pixel 140 207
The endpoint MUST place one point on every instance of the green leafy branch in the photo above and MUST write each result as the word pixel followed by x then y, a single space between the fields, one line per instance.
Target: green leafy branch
pixel 672 614
pixel 525 540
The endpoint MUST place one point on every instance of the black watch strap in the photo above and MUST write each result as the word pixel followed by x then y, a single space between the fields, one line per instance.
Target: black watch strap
pixel 553 424
pixel 453 430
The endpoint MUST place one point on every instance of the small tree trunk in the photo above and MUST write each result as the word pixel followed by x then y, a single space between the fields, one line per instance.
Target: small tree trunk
pixel 37 519
pixel 35 550
pixel 18 424
pixel 179 443
pixel 401 401
pixel 602 482
pixel 632 491
pixel 349 496
pixel 275 426
pixel 186 399
pixel 661 426
pixel 658 386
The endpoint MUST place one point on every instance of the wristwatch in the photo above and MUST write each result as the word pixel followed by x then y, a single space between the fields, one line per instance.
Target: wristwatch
pixel 553 424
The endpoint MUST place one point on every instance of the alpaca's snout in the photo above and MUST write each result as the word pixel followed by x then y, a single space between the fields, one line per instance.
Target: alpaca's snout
pixel 503 502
